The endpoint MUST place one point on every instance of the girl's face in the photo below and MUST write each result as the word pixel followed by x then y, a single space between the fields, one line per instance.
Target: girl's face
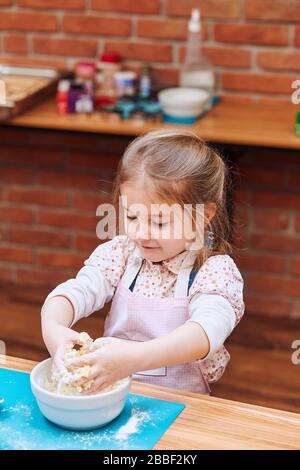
pixel 158 233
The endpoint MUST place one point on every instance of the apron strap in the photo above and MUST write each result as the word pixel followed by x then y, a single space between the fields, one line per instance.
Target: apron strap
pixel 182 283
pixel 131 272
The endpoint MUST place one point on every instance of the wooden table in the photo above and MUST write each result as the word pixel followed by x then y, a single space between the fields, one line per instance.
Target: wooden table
pixel 265 124
pixel 214 423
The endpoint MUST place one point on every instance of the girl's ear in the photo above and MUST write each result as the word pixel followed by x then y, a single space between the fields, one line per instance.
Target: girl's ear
pixel 210 210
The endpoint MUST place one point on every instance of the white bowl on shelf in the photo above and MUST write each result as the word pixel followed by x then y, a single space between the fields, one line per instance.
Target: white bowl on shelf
pixel 83 412
pixel 183 102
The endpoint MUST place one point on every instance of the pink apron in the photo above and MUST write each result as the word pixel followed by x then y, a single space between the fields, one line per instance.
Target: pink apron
pixel 138 318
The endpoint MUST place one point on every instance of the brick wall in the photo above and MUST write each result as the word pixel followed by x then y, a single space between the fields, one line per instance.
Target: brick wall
pixel 267 226
pixel 253 44
pixel 50 186
pixel 52 182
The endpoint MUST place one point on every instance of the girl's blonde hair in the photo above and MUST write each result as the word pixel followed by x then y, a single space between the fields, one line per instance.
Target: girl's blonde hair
pixel 177 166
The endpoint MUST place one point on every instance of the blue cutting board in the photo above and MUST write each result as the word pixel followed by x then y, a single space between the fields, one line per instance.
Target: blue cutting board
pixel 22 426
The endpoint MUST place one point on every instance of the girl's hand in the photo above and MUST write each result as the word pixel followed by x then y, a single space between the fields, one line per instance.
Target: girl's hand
pixel 112 360
pixel 56 338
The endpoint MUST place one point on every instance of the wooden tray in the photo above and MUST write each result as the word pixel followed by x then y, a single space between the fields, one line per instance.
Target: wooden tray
pixel 23 87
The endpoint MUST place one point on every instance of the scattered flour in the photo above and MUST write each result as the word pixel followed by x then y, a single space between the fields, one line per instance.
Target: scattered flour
pixel 28 434
pixel 132 426
pixel 23 410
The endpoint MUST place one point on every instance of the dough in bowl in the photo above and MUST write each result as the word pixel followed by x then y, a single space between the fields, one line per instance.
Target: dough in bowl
pixel 72 380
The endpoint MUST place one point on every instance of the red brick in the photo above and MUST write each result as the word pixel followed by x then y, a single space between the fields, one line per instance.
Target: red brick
pixel 38 196
pixel 266 177
pixel 40 277
pixel 28 21
pixel 47 4
pixel 266 306
pixel 227 57
pixel 105 26
pixel 86 242
pixel 60 259
pixel 15 254
pixel 296 310
pixel 6 274
pixel 281 10
pixel 212 8
pixel 294 266
pixel 90 203
pixel 256 82
pixel 163 29
pixel 239 240
pixel 17 215
pixel 294 182
pixel 269 157
pixel 77 47
pixel 277 60
pixel 31 156
pixel 69 180
pixel 32 62
pixel 16 175
pixel 38 237
pixel 93 160
pixel 6 2
pixel 127 6
pixel 274 35
pixel 297 36
pixel 297 224
pixel 165 76
pixel 279 243
pixel 241 196
pixel 269 284
pixel 277 200
pixel 67 220
pixel 147 51
pixel 241 214
pixel 273 158
pixel 260 262
pixel 15 43
pixel 275 220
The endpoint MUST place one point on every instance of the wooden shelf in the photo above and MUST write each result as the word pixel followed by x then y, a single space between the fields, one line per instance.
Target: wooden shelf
pixel 254 124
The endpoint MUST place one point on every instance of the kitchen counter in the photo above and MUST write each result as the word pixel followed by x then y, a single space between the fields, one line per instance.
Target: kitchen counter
pixel 214 423
pixel 229 122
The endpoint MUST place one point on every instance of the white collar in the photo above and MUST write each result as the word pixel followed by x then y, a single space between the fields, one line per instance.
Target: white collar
pixel 184 259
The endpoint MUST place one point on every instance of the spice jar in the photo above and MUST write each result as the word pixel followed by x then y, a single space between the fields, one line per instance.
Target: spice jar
pixel 107 67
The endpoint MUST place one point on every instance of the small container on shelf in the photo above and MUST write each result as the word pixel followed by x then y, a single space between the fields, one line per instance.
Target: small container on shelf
pixel 76 91
pixel 125 83
pixel 145 82
pixel 62 95
pixel 85 74
pixel 107 67
pixel 85 71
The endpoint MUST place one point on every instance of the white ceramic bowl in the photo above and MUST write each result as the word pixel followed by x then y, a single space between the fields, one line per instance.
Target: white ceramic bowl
pixel 77 412
pixel 183 102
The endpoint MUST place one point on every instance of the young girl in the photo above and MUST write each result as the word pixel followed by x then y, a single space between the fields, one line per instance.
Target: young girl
pixel 173 304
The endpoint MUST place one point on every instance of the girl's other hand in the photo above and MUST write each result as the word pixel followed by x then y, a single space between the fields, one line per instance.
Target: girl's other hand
pixel 112 360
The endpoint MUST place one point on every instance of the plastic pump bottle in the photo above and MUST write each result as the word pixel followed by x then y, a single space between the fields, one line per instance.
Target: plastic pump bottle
pixel 197 71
